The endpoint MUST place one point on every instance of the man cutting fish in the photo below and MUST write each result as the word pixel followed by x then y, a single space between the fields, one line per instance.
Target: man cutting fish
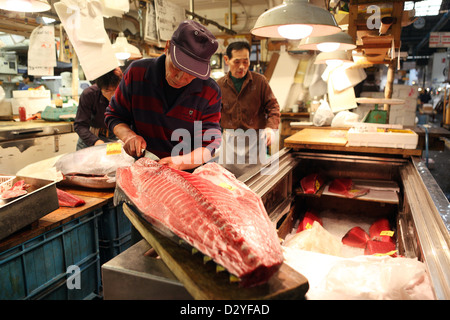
pixel 170 101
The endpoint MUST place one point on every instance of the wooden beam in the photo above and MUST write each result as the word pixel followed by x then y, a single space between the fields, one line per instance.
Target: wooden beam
pixel 396 28
pixel 389 86
pixel 353 16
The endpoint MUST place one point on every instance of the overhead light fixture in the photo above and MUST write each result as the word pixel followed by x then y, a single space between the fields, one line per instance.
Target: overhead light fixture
pixel 295 19
pixel 124 50
pixel 25 5
pixel 333 42
pixel 334 58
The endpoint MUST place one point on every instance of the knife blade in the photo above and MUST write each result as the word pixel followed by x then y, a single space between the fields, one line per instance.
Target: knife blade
pixel 148 154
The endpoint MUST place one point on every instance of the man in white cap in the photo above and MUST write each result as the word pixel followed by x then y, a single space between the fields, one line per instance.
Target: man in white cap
pixel 160 100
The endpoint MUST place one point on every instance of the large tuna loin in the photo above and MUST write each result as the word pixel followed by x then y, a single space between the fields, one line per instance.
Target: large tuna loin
pixel 93 167
pixel 209 209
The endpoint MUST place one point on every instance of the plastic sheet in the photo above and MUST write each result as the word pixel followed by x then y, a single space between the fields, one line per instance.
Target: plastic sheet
pixel 323 116
pixel 360 278
pixel 375 278
pixel 315 239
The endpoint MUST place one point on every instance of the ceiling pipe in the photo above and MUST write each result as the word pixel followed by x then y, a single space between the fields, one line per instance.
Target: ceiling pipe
pixel 191 7
pixel 230 20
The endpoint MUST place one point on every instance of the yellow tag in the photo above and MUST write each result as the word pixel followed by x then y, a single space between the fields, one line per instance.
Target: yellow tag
pixel 317 185
pixel 387 233
pixel 400 131
pixel 113 148
pixel 390 253
pixel 308 226
pixel 226 186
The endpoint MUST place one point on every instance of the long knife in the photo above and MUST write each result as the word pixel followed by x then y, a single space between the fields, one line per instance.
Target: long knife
pixel 148 154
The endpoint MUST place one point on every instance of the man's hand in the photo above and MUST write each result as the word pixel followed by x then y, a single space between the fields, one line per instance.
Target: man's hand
pixel 98 142
pixel 270 136
pixel 133 144
pixel 188 161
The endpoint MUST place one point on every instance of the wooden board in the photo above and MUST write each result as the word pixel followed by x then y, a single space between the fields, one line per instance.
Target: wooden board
pixel 204 283
pixel 318 136
pixel 57 218
pixel 380 191
pixel 310 140
pixel 380 101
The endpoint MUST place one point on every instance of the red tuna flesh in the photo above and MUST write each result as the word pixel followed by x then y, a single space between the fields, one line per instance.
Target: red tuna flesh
pixel 308 221
pixel 67 199
pixel 380 248
pixel 311 183
pixel 17 190
pixel 209 209
pixel 344 186
pixel 356 237
pixel 381 231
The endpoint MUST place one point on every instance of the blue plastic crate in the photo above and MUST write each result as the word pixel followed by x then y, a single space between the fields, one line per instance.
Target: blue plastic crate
pixel 90 280
pixel 40 263
pixel 111 248
pixel 113 224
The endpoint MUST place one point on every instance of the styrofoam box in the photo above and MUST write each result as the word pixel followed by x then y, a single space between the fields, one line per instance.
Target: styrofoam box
pixel 33 100
pixel 393 138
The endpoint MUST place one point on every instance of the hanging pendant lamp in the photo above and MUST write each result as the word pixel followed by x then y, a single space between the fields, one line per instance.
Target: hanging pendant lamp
pixel 332 42
pixel 295 19
pixel 124 50
pixel 334 58
pixel 25 5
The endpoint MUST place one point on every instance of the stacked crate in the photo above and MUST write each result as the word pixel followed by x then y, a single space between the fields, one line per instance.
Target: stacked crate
pixel 114 232
pixel 40 268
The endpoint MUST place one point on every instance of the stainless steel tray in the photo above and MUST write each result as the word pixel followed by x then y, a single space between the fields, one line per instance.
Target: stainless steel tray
pixel 17 213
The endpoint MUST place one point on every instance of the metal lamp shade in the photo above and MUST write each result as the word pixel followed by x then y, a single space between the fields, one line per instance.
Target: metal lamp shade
pixel 125 50
pixel 295 12
pixel 342 56
pixel 343 41
pixel 25 5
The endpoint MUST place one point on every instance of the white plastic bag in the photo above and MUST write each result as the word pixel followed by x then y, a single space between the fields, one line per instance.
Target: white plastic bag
pixel 375 278
pixel 344 119
pixel 315 239
pixel 323 115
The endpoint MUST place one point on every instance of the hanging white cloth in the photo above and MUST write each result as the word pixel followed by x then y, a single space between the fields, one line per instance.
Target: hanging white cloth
pixel 41 51
pixel 313 82
pixel 341 81
pixel 115 8
pixel 83 22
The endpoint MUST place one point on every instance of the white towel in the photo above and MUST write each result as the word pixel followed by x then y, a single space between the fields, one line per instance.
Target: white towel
pixel 84 26
pixel 41 51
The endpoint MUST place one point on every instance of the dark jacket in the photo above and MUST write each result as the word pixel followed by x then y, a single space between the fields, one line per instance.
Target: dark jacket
pixel 255 107
pixel 140 102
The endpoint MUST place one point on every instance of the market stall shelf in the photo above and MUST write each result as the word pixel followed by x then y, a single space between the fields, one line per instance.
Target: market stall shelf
pixel 336 140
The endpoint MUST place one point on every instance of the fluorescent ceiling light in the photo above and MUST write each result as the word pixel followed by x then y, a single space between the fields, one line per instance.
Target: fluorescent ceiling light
pixel 295 19
pixel 25 5
pixel 51 77
pixel 48 20
pixel 424 8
